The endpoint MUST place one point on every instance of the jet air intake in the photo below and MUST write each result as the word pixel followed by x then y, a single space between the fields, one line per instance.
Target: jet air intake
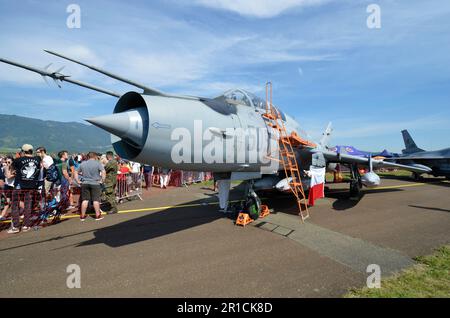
pixel 129 125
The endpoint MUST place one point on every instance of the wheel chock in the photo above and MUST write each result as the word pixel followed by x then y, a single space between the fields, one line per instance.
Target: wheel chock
pixel 243 219
pixel 264 211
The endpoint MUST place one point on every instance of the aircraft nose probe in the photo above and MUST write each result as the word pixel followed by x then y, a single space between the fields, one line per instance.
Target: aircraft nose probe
pixel 128 125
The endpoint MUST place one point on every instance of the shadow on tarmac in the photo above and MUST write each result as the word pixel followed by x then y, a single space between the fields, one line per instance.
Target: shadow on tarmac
pixel 430 208
pixel 161 223
pixel 345 202
pixel 154 225
pixel 56 238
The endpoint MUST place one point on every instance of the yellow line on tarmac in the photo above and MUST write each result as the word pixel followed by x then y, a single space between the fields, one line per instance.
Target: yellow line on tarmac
pixel 173 206
pixel 401 186
pixel 411 185
pixel 145 209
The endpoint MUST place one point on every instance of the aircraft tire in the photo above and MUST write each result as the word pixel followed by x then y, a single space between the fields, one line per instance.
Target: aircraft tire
pixel 253 212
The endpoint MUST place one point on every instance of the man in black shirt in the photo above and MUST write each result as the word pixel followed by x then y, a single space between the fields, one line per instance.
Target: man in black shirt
pixel 27 169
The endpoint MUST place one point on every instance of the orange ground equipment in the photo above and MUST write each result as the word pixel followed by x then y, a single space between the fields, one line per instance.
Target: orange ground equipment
pixel 286 145
pixel 244 218
pixel 264 211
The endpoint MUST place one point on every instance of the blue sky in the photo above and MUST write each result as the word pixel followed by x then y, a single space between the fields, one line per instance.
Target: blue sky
pixel 326 65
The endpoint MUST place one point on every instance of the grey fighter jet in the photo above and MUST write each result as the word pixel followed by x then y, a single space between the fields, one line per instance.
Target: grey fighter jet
pixel 206 134
pixel 438 161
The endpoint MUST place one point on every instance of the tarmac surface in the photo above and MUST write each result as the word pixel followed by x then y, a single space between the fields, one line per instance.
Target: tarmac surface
pixel 175 243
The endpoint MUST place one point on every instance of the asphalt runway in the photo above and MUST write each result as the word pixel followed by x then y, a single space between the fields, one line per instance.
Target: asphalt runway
pixel 174 243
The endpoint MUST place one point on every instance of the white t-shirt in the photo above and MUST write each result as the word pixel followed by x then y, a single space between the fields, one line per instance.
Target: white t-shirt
pixel 47 161
pixel 136 167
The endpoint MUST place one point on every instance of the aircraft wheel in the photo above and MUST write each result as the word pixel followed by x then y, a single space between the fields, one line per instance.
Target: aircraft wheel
pixel 253 205
pixel 253 212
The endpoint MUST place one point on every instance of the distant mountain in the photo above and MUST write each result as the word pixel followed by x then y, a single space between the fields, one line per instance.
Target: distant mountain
pixel 53 135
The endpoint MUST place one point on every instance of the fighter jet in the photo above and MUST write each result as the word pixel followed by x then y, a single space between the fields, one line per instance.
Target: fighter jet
pixel 205 134
pixel 438 161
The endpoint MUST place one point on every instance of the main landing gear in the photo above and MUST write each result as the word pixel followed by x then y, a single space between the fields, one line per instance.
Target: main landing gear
pixel 355 182
pixel 251 208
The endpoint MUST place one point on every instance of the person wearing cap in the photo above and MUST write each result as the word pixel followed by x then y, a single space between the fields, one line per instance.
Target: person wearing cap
pixel 26 183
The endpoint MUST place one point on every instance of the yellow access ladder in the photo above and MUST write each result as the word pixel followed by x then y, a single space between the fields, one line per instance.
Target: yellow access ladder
pixel 286 152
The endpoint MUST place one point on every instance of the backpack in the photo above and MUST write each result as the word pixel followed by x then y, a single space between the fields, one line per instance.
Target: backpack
pixel 52 174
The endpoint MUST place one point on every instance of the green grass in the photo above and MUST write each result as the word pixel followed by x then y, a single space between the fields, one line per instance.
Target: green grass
pixel 429 278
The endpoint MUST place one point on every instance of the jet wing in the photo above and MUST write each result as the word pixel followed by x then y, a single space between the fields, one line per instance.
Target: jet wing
pixel 345 158
pixel 407 158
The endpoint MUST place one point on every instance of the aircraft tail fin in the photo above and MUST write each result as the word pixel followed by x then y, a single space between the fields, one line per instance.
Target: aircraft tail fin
pixel 410 145
pixel 326 136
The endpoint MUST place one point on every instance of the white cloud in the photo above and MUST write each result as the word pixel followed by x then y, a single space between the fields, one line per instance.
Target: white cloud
pixel 81 53
pixel 258 8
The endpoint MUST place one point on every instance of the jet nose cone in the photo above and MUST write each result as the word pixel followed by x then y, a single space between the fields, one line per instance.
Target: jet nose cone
pixel 128 126
pixel 116 124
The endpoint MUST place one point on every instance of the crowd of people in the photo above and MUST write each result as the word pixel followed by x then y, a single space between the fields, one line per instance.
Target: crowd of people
pixel 31 179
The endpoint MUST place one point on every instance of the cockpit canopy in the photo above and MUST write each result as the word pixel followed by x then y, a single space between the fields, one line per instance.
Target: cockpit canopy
pixel 242 97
